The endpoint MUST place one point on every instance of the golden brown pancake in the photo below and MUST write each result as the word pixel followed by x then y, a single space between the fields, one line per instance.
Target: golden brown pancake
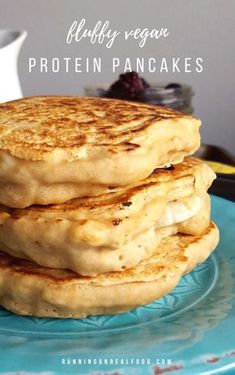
pixel 114 231
pixel 29 289
pixel 53 149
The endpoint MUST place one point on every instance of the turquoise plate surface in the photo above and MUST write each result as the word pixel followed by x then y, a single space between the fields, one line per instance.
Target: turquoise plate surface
pixel 189 331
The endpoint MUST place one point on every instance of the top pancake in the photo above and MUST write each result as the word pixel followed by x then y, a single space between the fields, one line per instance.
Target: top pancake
pixel 53 149
pixel 34 127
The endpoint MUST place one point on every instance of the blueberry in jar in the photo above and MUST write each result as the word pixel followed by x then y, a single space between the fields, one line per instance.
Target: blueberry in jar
pixel 128 86
pixel 173 86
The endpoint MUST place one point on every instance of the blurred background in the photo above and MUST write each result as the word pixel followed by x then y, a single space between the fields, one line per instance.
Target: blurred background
pixel 202 28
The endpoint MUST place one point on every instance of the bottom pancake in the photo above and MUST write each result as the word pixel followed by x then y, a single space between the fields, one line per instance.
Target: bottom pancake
pixel 29 289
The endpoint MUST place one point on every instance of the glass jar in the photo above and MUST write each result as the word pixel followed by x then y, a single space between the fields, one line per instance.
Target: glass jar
pixel 178 97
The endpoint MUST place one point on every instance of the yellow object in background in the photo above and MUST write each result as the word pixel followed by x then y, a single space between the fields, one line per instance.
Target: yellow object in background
pixel 220 167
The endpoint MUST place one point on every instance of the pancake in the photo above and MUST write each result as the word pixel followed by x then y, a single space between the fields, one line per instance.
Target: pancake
pixel 29 289
pixel 114 231
pixel 53 149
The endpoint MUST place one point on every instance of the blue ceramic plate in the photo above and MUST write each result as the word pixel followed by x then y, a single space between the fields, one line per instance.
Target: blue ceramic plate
pixel 189 331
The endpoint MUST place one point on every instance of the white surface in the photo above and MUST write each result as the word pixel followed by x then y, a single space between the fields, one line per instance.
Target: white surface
pixel 10 44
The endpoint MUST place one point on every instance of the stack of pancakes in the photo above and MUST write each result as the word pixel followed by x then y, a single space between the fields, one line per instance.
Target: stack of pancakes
pixel 101 209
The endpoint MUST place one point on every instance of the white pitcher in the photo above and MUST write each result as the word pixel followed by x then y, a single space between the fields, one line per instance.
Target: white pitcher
pixel 10 45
